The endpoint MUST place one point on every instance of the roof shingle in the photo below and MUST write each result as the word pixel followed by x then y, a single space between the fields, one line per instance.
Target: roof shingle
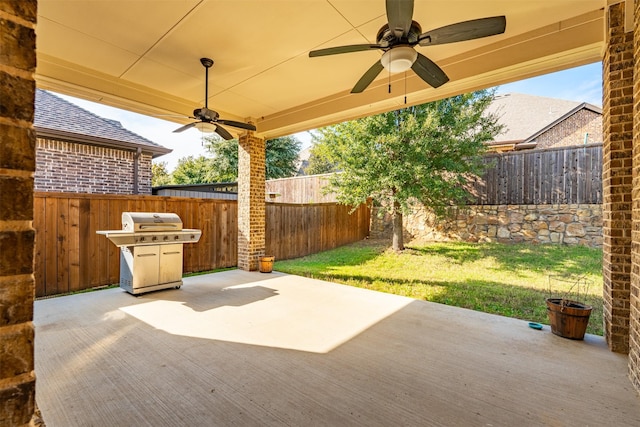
pixel 56 114
pixel 525 115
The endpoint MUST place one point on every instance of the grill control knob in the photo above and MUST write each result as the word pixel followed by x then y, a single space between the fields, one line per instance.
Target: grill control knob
pixel 154 238
pixel 166 238
pixel 142 239
pixel 176 237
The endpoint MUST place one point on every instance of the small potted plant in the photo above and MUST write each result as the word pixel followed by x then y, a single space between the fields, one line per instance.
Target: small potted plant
pixel 569 317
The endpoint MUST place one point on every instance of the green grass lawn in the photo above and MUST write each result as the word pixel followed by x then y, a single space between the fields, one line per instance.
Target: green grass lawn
pixel 510 280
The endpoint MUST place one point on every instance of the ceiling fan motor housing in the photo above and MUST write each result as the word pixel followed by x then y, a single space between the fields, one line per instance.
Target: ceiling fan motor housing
pixel 400 54
pixel 386 37
pixel 205 114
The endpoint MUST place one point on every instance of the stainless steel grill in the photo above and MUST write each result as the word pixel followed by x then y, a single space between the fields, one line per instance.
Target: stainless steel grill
pixel 151 250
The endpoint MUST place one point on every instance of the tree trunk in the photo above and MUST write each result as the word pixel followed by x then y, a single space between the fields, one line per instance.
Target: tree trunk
pixel 398 242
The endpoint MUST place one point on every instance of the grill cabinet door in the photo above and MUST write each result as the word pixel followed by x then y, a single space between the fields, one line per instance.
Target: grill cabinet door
pixel 171 263
pixel 145 270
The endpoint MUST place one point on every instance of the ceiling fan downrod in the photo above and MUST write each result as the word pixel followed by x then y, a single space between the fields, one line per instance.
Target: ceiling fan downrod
pixel 207 63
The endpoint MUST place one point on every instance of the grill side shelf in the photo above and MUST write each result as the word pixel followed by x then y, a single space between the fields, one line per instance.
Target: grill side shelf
pixel 122 238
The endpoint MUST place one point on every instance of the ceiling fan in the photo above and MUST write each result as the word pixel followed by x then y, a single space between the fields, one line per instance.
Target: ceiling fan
pixel 399 36
pixel 209 120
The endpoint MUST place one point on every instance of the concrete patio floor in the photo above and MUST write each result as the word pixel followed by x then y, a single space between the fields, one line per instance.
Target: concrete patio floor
pixel 251 349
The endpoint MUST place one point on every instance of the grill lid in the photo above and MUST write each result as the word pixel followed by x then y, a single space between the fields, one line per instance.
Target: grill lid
pixel 150 221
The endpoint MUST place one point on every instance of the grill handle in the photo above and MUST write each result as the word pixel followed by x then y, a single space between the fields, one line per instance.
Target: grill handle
pixel 142 255
pixel 160 227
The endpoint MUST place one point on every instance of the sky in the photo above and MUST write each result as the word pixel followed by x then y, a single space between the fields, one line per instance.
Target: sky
pixel 582 84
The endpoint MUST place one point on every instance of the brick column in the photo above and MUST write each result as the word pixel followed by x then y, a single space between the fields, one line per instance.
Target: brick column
pixel 251 201
pixel 17 163
pixel 617 177
pixel 634 317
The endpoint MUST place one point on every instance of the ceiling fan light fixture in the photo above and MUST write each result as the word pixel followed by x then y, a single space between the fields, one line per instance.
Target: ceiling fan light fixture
pixel 206 127
pixel 399 59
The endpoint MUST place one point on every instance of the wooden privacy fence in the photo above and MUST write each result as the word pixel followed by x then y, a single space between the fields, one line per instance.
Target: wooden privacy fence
pixel 294 230
pixel 564 175
pixel 70 256
pixel 301 189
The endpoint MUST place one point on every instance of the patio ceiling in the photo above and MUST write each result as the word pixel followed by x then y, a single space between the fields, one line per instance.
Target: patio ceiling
pixel 143 55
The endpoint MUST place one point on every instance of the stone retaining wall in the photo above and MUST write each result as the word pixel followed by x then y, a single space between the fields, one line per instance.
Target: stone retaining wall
pixel 557 224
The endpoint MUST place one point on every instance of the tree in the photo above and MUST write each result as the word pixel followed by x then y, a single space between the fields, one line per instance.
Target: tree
pixel 224 164
pixel 320 158
pixel 193 170
pixel 281 158
pixel 423 153
pixel 159 174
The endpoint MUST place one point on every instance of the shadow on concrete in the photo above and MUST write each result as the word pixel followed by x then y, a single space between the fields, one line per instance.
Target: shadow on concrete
pixel 210 299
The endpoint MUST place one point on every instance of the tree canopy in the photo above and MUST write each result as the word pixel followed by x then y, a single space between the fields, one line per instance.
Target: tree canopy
pixel 159 174
pixel 423 153
pixel 320 157
pixel 281 158
pixel 222 166
pixel 224 161
pixel 193 170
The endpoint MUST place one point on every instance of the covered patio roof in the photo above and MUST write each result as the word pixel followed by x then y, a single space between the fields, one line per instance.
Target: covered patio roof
pixel 143 56
pixel 245 348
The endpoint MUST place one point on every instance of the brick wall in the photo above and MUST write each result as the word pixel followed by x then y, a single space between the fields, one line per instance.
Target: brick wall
pixel 79 168
pixel 572 130
pixel 633 304
pixel 251 201
pixel 17 163
pixel 557 224
pixel 617 177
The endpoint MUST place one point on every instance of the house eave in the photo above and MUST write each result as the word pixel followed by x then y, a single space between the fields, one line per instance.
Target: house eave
pixel 61 135
pixel 568 114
